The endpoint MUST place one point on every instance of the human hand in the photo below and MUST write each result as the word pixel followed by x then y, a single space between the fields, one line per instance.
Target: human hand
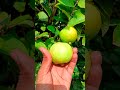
pixel 26 67
pixel 55 77
pixel 95 74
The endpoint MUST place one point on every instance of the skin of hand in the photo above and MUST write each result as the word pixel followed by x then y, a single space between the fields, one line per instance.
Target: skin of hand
pixel 55 77
pixel 95 74
pixel 26 67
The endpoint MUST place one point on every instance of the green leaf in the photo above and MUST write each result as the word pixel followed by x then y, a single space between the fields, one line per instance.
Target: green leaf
pixel 14 43
pixel 77 18
pixel 81 3
pixel 66 10
pixel 32 4
pixel 51 28
pixel 39 43
pixel 76 85
pixel 43 28
pixel 41 1
pixel 3 16
pixel 49 42
pixel 19 20
pixel 47 9
pixel 69 3
pixel 57 32
pixel 27 22
pixel 19 6
pixel 4 19
pixel 114 22
pixel 44 34
pixel 105 24
pixel 42 16
pixel 37 33
pixel 116 36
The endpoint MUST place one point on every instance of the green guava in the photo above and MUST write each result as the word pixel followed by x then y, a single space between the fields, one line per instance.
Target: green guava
pixel 92 21
pixel 61 53
pixel 68 34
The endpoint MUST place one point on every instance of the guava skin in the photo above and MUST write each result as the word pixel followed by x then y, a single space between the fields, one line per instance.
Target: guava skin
pixel 61 53
pixel 68 34
pixel 93 20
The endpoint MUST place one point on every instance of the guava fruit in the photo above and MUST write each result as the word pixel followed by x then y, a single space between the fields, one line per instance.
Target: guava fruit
pixel 92 20
pixel 61 53
pixel 68 34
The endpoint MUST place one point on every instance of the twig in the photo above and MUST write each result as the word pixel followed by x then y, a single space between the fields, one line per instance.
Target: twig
pixel 54 11
pixel 74 8
pixel 37 9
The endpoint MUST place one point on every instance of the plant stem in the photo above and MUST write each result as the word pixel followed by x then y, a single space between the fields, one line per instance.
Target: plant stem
pixel 53 12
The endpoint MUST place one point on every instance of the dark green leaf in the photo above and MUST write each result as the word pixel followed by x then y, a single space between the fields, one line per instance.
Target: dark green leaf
pixel 19 20
pixel 69 3
pixel 20 6
pixel 77 18
pixel 12 44
pixel 49 42
pixel 47 9
pixel 66 10
pixel 51 28
pixel 27 22
pixel 116 36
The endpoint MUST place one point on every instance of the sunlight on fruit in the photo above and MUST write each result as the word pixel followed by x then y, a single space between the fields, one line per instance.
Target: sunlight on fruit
pixel 61 53
pixel 68 34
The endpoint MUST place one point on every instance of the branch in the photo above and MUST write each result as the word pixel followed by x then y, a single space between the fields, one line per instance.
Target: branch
pixel 53 12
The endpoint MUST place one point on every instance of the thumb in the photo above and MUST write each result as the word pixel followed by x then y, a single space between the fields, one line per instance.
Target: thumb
pixel 47 59
pixel 95 74
pixel 46 64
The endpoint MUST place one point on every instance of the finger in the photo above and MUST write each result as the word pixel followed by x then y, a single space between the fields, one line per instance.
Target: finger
pixel 73 61
pixel 96 57
pixel 47 60
pixel 45 67
pixel 95 74
pixel 24 62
